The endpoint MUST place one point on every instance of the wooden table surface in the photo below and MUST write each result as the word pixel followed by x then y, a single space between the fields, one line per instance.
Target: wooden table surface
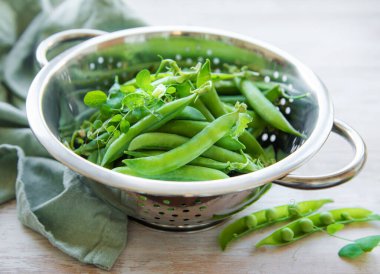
pixel 340 41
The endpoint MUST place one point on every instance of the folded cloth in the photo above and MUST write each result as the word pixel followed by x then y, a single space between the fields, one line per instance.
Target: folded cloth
pixel 51 199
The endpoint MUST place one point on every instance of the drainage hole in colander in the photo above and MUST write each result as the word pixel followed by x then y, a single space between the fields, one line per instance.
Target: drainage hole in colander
pixel 157 218
pixel 185 220
pixel 175 215
pixel 171 220
pixel 183 204
pixel 197 215
pixel 185 210
pixel 161 213
pixel 156 205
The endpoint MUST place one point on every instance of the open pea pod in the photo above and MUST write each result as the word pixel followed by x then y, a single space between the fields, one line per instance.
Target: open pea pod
pixel 305 226
pixel 267 217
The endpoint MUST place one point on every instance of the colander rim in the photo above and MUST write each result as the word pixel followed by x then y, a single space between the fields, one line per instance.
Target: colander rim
pixel 108 177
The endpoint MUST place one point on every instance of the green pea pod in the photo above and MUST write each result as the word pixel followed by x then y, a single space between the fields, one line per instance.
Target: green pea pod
pixel 166 141
pixel 184 173
pixel 187 152
pixel 232 99
pixel 190 113
pixel 263 107
pixel 191 128
pixel 200 161
pixel 200 106
pixel 162 115
pixel 267 217
pixel 317 222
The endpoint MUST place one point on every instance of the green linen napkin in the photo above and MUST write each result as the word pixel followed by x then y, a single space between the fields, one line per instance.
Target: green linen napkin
pixel 51 199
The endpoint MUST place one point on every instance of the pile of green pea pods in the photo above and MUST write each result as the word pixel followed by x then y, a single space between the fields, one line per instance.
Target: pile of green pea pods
pixel 182 124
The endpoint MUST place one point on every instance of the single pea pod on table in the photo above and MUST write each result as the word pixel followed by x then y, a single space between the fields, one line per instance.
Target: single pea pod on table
pixel 267 217
pixel 305 226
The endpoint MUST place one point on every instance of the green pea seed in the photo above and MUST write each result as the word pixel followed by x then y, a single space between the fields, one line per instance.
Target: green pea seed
pixel 306 225
pixel 294 210
pixel 270 214
pixel 250 221
pixel 287 234
pixel 326 218
pixel 346 216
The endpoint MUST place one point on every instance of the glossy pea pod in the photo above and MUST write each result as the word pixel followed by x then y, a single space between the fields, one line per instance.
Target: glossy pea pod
pixel 150 122
pixel 184 173
pixel 190 128
pixel 264 108
pixel 305 226
pixel 267 217
pixel 166 141
pixel 215 105
pixel 200 161
pixel 187 152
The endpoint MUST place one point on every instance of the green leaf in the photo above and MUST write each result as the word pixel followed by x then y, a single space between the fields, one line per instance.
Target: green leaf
pixel 110 129
pixel 204 74
pixel 171 90
pixel 124 126
pixel 350 251
pixel 97 124
pixel 95 98
pixel 134 100
pixel 368 243
pixel 116 118
pixel 127 89
pixel 334 228
pixel 143 80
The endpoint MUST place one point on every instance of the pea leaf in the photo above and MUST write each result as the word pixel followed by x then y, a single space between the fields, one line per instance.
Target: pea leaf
pixel 143 80
pixel 334 228
pixel 171 90
pixel 110 129
pixel 134 100
pixel 127 88
pixel 204 73
pixel 124 126
pixel 350 251
pixel 97 124
pixel 368 243
pixel 116 118
pixel 95 98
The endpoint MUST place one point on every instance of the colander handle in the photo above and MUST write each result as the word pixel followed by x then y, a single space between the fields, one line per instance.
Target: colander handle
pixel 59 37
pixel 338 177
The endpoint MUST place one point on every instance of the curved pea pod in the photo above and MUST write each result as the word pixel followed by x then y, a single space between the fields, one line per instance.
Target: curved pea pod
pixel 185 153
pixel 200 161
pixel 265 109
pixel 184 173
pixel 190 113
pixel 317 222
pixel 190 128
pixel 267 217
